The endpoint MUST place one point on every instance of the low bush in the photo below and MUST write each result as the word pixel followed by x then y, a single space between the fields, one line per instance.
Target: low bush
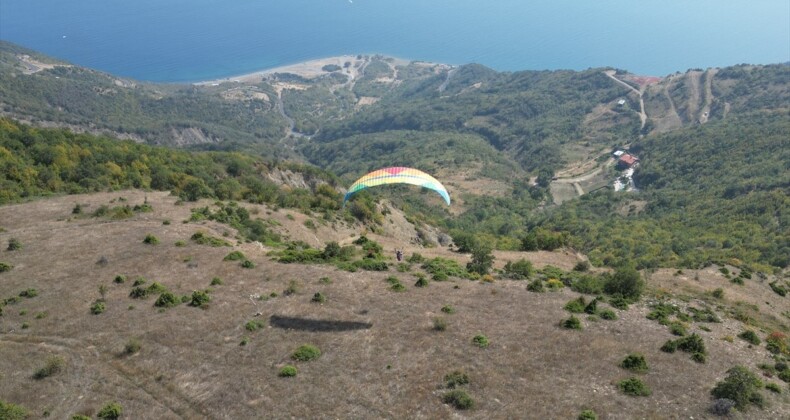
pixel 677 328
pixel 28 293
pixel 718 293
pixel 14 244
pixel 119 279
pixel 5 267
pixel 455 379
pixel 553 285
pixel 536 286
pixel 292 289
pixel 138 293
pixel 287 371
pixel 98 307
pixel 371 264
pixel 572 323
pixel 480 341
pixel 254 325
pixel 778 289
pixel 750 337
pixel 635 363
pixel 634 387
pixel 234 256
pixel 777 343
pixel 704 315
pixel 306 353
pixel 587 283
pixel 200 299
pixel 10 411
pixel 439 324
pixel 54 365
pixel 325 280
pixel 111 411
pixel 448 309
pixel 203 239
pixel 587 415
pixel 150 239
pixel 607 314
pixel 741 386
pixel 318 297
pixel 459 399
pixel 139 282
pixel 592 307
pixel 775 388
pixel 216 281
pixel 247 264
pixel 576 306
pixel 167 300
pixel 721 407
pixel 132 346
pixel 519 270
pixel 421 282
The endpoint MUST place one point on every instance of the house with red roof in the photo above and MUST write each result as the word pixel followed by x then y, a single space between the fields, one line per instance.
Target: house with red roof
pixel 626 161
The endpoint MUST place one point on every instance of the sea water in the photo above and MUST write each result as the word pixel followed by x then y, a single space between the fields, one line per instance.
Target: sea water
pixel 191 40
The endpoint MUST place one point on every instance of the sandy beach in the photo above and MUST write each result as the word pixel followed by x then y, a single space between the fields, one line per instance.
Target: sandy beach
pixel 307 69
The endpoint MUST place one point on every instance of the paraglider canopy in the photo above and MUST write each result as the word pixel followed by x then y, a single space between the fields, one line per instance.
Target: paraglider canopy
pixel 398 175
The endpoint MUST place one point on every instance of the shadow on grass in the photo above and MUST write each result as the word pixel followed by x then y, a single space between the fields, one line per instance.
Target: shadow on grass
pixel 320 325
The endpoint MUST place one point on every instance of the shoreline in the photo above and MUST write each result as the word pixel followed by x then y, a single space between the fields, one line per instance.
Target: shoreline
pixel 350 65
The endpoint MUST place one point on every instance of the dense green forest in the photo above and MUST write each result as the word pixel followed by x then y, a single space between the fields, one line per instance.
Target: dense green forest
pixel 35 162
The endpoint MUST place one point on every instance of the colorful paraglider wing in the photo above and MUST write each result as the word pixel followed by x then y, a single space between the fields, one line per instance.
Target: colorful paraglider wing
pixel 398 175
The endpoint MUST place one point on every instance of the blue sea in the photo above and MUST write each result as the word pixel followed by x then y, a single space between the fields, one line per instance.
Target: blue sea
pixel 192 40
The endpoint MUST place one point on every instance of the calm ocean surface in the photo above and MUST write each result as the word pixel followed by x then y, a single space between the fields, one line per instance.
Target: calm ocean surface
pixel 180 40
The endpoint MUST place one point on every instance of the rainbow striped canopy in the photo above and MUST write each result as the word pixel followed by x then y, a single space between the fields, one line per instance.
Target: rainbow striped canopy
pixel 397 175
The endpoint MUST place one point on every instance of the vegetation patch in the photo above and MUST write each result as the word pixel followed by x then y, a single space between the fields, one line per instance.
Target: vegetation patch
pixel 111 411
pixel 750 337
pixel 741 386
pixel 480 341
pixel 318 297
pixel 150 239
pixel 254 325
pixel 54 365
pixel 459 399
pixel 200 299
pixel 634 387
pixel 235 256
pixel 572 323
pixel 98 307
pixel 306 353
pixel 576 306
pixel 287 371
pixel 10 411
pixel 167 300
pixel 201 238
pixel 455 379
pixel 635 362
pixel 4 266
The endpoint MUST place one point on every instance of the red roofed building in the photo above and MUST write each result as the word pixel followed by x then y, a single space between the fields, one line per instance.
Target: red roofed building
pixel 627 161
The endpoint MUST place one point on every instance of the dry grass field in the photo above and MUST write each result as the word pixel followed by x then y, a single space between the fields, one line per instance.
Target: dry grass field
pixel 381 356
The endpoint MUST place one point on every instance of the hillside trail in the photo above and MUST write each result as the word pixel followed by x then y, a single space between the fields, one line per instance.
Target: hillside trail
pixel 642 114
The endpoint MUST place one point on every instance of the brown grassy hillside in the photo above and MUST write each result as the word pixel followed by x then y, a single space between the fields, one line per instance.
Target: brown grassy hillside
pixel 381 355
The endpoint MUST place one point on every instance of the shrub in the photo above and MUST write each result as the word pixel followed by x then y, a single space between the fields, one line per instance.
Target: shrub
pixel 54 365
pixel 110 411
pixel 448 309
pixel 138 293
pixel 777 343
pixel 5 267
pixel 180 244
pixel 14 244
pixel 699 357
pixel 721 406
pixel 718 293
pixel 78 417
pixel 519 270
pixel 619 302
pixel 576 306
pixel 635 363
pixel 750 336
pixel 167 300
pixel 482 260
pixel 292 289
pixel 778 289
pixel 150 239
pixel 592 307
pixel 572 323
pixel 703 315
pixel 325 280
pixel 587 415
pixel 306 352
pixel 677 328
pixel 459 399
pixel 421 282
pixel 740 386
pixel 784 375
pixel 588 284
pixel 253 325
pixel 634 387
pixel 607 314
pixel 139 282
pixel 626 282
pixel 119 279
pixel 98 307
pixel 28 293
pixel 156 287
pixel 536 286
pixel 247 264
pixel 203 239
pixel 132 346
pixel 480 341
pixel 415 258
pixel 371 264
pixel 10 411
pixel 775 388
pixel 287 371
pixel 670 346
pixel 553 285
pixel 234 256
pixel 455 378
pixel 216 281
pixel 439 324
pixel 691 344
pixel 200 299
pixel 318 297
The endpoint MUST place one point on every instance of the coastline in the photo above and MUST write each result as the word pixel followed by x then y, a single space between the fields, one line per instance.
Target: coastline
pixel 351 66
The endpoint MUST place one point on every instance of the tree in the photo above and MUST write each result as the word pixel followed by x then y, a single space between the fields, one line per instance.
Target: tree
pixel 482 260
pixel 741 386
pixel 626 282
